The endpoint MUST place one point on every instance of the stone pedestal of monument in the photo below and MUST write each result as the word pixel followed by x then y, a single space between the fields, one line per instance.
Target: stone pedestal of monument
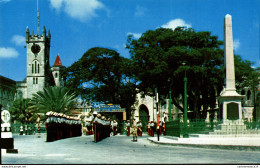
pixel 231 107
pixel 7 141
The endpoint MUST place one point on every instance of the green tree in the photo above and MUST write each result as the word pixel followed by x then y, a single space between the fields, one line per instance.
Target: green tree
pixel 56 99
pixel 246 76
pixel 158 56
pixel 102 75
pixel 20 111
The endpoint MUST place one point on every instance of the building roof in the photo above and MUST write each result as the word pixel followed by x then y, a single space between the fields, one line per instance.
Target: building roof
pixel 57 61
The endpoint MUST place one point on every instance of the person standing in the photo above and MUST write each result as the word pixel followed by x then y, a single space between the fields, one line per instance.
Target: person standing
pixel 48 130
pixel 160 127
pixel 163 123
pixel 127 127
pixel 139 128
pixel 114 127
pixel 152 128
pixel 21 130
pixel 149 128
pixel 134 130
pixel 89 124
pixel 38 125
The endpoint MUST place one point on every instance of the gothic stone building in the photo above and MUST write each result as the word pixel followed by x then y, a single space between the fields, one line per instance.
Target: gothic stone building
pixel 39 72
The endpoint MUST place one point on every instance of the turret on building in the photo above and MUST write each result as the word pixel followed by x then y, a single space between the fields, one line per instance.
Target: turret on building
pixel 57 69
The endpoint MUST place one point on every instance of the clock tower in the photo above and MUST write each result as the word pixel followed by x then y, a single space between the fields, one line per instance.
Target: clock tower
pixel 38 67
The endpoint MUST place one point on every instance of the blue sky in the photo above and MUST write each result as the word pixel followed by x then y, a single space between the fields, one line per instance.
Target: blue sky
pixel 78 25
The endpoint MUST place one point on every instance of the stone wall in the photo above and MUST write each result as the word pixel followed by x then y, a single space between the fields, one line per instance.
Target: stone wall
pixel 148 102
pixel 258 107
pixel 7 92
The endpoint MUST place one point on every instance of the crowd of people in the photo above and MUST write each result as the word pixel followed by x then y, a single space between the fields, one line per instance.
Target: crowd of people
pixel 134 128
pixel 60 126
pixel 101 126
pixel 152 128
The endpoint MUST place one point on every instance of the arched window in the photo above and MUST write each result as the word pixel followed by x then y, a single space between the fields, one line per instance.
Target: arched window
pixel 35 66
pixel 20 94
pixel 248 95
pixel 36 80
pixel 33 80
pixel 56 75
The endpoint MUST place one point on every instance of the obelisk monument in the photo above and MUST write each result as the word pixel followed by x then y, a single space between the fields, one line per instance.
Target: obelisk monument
pixel 230 100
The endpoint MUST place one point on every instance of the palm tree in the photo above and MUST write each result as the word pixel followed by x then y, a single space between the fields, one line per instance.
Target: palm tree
pixel 20 112
pixel 56 99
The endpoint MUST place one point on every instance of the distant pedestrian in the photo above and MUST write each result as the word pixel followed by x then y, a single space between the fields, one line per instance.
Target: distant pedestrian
pixel 160 127
pixel 127 127
pixel 21 130
pixel 89 124
pixel 114 127
pixel 152 128
pixel 149 128
pixel 139 128
pixel 38 125
pixel 163 123
pixel 134 130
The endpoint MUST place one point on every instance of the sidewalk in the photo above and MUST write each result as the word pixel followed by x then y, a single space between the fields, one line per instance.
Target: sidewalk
pixel 234 143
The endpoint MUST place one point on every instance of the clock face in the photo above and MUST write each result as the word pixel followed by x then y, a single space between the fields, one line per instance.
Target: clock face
pixel 35 48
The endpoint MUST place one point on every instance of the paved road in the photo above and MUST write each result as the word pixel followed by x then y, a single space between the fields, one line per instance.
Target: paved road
pixel 118 150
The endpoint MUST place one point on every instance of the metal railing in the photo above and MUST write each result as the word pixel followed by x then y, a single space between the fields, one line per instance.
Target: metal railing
pixel 28 129
pixel 176 128
pixel 252 125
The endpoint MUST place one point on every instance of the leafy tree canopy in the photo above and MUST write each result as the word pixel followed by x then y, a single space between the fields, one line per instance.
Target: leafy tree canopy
pixel 102 75
pixel 158 56
pixel 20 111
pixel 56 99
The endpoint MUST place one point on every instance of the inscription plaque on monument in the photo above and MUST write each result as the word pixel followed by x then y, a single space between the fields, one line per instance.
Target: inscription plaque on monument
pixel 232 111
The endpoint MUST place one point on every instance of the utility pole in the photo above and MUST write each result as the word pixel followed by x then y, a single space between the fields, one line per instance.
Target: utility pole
pixel 185 135
pixel 170 106
pixel 157 112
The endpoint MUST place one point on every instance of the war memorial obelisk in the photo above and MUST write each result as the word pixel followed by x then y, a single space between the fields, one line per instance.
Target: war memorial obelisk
pixel 230 100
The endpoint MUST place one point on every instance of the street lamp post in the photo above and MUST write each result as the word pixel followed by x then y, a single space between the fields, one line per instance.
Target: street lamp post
pixel 157 114
pixel 170 106
pixel 185 135
pixel 170 102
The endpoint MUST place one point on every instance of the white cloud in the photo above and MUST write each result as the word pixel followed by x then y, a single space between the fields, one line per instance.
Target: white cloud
pixel 176 23
pixel 18 40
pixel 136 35
pixel 82 10
pixel 56 4
pixel 236 44
pixel 139 11
pixel 5 1
pixel 8 53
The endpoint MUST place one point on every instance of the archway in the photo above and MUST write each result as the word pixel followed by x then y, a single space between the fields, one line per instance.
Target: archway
pixel 144 116
pixel 248 95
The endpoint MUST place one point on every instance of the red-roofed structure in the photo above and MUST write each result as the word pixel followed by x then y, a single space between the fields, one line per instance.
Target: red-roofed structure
pixel 57 61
